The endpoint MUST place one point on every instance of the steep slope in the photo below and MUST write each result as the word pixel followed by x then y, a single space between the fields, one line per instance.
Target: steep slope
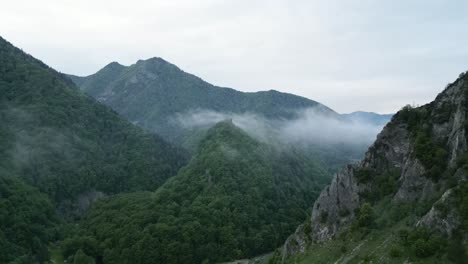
pixel 55 137
pixel 151 92
pixel 237 197
pixel 406 201
pixel 27 221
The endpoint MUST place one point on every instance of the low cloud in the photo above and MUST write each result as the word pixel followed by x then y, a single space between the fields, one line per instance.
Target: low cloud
pixel 309 127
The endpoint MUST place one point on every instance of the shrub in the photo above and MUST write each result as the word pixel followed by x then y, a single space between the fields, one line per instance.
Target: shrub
pixel 366 216
pixel 363 175
pixel 396 252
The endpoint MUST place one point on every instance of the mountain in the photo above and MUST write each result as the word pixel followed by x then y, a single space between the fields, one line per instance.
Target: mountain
pixel 368 118
pixel 67 145
pixel 237 197
pixel 405 202
pixel 151 93
pixel 181 107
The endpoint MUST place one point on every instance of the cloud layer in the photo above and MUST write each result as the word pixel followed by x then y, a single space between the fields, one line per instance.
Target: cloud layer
pixel 310 127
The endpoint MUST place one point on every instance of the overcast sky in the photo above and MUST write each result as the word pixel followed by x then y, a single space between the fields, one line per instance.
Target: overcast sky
pixel 349 55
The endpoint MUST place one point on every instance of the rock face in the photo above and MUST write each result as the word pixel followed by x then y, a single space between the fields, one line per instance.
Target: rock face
pixel 436 219
pixel 394 150
pixel 336 201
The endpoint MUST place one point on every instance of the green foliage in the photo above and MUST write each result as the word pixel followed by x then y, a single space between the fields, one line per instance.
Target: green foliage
pixel 395 252
pixel 422 242
pixel 366 217
pixel 382 184
pixel 461 203
pixel 27 221
pixel 456 251
pixel 87 244
pixel 81 258
pixel 363 175
pixel 433 155
pixel 236 198
pixel 65 143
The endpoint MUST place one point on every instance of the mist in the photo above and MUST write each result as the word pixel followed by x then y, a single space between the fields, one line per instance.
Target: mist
pixel 309 127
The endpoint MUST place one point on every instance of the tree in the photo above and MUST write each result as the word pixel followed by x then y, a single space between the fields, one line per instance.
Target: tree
pixel 82 258
pixel 366 216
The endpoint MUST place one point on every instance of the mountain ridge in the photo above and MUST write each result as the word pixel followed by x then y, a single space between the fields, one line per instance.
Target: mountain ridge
pixel 149 92
pixel 237 197
pixel 413 178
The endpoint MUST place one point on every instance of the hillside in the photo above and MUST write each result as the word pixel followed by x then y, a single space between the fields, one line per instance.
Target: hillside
pixel 27 221
pixel 64 142
pixel 405 202
pixel 237 197
pixel 68 146
pixel 152 92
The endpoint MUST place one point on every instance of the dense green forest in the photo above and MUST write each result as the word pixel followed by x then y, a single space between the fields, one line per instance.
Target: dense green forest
pixel 80 183
pixel 61 150
pixel 236 198
pixel 62 141
pixel 27 222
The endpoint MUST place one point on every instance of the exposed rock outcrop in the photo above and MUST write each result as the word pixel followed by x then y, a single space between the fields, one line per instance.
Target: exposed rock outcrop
pixel 442 218
pixel 395 150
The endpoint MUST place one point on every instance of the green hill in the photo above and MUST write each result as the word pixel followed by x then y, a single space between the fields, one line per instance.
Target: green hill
pixel 68 146
pixel 237 197
pixel 64 142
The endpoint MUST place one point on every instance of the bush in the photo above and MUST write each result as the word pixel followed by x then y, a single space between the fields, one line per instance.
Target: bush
pixel 82 258
pixel 366 216
pixel 396 252
pixel 422 243
pixel 363 175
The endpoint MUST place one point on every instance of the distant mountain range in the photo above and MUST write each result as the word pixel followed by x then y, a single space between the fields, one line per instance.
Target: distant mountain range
pixel 369 117
pixel 181 107
pixel 151 92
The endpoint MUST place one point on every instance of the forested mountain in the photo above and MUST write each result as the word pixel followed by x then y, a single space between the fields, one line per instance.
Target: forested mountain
pixel 237 197
pixel 152 92
pixel 64 142
pixel 405 202
pixel 72 148
pixel 181 107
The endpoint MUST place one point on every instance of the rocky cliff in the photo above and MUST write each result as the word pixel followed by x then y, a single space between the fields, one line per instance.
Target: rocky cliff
pixel 417 158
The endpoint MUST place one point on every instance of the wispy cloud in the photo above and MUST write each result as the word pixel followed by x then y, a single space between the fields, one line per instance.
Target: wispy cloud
pixel 310 127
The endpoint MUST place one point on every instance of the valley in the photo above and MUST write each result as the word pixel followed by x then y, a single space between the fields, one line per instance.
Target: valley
pixel 149 164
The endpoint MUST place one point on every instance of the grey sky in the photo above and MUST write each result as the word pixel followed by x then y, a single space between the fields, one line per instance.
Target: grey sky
pixel 350 54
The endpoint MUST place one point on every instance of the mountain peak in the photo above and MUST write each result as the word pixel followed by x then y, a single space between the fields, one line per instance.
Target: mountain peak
pixel 114 64
pixel 152 60
pixel 226 131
